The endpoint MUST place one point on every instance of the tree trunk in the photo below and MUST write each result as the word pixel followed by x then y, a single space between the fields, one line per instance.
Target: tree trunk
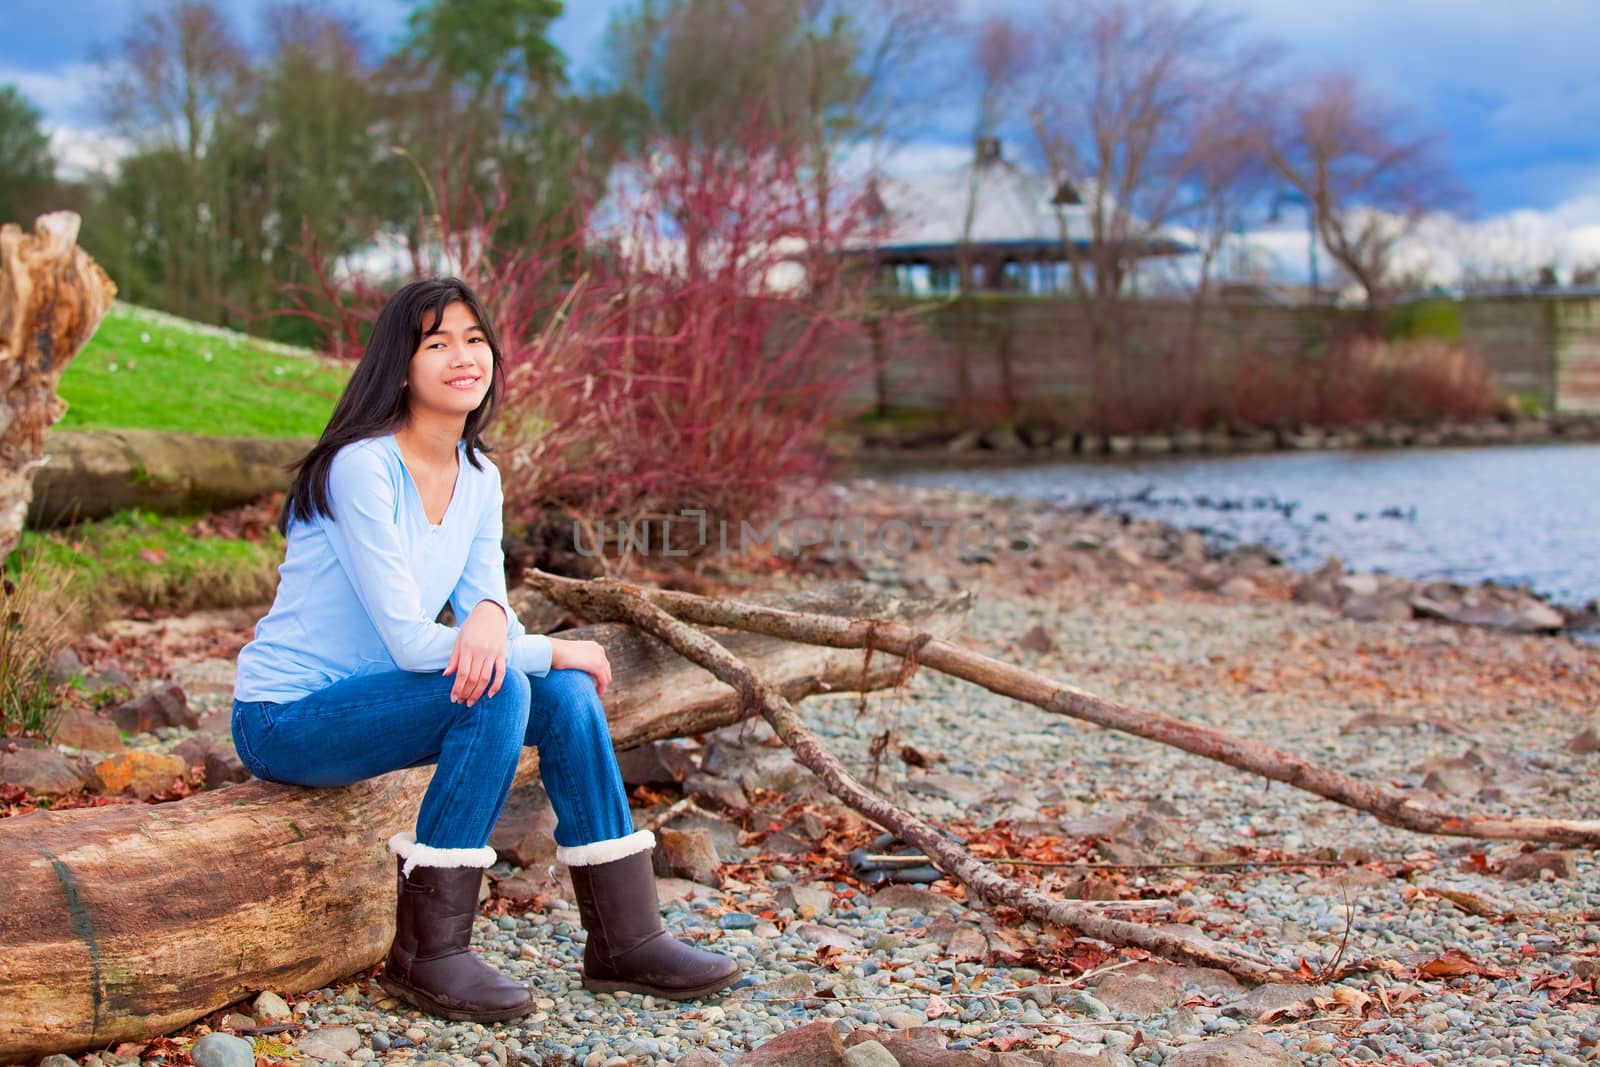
pixel 52 298
pixel 128 922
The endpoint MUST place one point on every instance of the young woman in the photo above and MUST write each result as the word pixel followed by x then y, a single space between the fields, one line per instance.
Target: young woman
pixel 394 511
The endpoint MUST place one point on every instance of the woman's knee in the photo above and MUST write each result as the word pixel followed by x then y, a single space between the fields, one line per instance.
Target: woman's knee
pixel 572 700
pixel 507 709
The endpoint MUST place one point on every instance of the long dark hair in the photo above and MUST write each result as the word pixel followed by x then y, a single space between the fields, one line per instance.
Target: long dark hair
pixel 374 400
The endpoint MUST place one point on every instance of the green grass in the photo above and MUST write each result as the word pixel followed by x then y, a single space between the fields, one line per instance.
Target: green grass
pixel 138 558
pixel 141 373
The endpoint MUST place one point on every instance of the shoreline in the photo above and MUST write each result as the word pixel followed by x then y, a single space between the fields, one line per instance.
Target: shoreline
pixel 890 449
pixel 1489 602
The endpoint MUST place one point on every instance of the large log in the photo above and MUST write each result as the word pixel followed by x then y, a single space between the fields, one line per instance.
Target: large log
pixel 90 474
pixel 52 298
pixel 128 922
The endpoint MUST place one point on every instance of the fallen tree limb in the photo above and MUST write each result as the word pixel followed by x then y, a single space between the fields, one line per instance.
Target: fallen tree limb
pixel 129 921
pixel 1022 684
pixel 612 599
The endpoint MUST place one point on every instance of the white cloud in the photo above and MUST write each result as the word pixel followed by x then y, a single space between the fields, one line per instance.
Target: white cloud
pixel 82 153
pixel 58 94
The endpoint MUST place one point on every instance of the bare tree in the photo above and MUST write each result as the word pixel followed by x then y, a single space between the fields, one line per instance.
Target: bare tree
pixel 172 85
pixel 1369 179
pixel 1138 113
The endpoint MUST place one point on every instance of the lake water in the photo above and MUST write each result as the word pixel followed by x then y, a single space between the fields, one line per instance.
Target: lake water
pixel 1527 514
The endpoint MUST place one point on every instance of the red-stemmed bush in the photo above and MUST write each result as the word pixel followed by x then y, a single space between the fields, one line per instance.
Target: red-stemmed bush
pixel 683 343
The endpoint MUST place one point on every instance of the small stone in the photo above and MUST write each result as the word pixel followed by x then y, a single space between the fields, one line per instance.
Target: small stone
pixel 688 854
pixel 869 1054
pixel 790 985
pixel 1273 996
pixel 721 792
pixel 236 1021
pixel 1236 1050
pixel 80 727
pixel 166 705
pixel 271 1006
pixel 56 1059
pixel 222 1050
pixel 648 764
pixel 968 943
pixel 1037 639
pixel 41 771
pixel 813 1045
pixel 1138 994
pixel 807 901
pixel 143 774
pixel 827 935
pixel 1532 865
pixel 699 1058
pixel 222 765
pixel 926 901
pixel 1240 588
pixel 64 666
pixel 522 835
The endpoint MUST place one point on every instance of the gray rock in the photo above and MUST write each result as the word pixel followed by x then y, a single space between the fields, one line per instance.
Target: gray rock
pixel 56 1059
pixel 961 788
pixel 1138 994
pixel 63 667
pixel 1240 588
pixel 166 705
pixel 1377 607
pixel 1236 1050
pixel 909 896
pixel 813 1045
pixel 223 1050
pixel 688 854
pixel 222 765
pixel 693 1058
pixel 807 901
pixel 81 727
pixel 646 765
pixel 331 1044
pixel 41 771
pixel 869 1054
pixel 1532 865
pixel 722 792
pixel 1037 639
pixel 270 1006
pixel 1273 996
pixel 524 833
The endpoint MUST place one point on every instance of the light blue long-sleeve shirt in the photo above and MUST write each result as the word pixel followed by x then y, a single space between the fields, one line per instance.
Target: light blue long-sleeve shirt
pixel 358 594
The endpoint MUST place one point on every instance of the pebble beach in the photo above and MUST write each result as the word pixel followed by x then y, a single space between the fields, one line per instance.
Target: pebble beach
pixel 1474 952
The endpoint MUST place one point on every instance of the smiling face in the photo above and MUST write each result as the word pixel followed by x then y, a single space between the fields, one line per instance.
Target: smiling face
pixel 453 367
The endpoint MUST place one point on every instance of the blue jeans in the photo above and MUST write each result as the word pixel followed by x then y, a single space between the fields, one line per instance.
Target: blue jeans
pixel 362 727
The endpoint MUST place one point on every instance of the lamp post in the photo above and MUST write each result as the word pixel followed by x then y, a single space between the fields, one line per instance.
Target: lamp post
pixel 1292 196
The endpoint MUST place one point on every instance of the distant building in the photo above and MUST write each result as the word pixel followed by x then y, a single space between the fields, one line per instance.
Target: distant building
pixel 1007 226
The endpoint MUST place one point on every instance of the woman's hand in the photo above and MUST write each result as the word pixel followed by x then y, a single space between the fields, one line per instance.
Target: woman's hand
pixel 587 656
pixel 479 653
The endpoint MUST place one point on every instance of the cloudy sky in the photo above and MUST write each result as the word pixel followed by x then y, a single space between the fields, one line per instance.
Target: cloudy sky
pixel 1514 87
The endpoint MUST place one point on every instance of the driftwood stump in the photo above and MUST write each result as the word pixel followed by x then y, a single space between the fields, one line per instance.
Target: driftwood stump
pixel 128 922
pixel 52 298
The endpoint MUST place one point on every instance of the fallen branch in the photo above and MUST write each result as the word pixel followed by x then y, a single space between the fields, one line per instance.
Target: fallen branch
pixel 614 600
pixel 117 927
pixel 1022 684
